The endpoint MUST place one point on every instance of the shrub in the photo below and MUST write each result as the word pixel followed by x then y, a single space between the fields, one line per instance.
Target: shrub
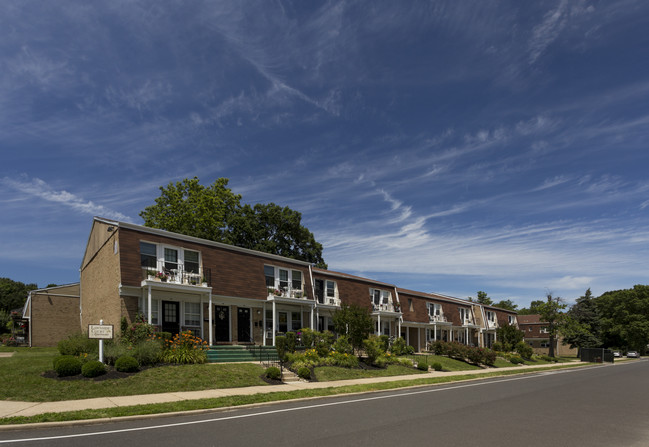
pixel 524 350
pixel 304 373
pixel 77 344
pixel 93 368
pixel 457 350
pixel 475 355
pixel 516 359
pixel 274 373
pixel 60 357
pixel 422 366
pixel 437 366
pixel 308 337
pixel 489 357
pixel 323 342
pixel 344 359
pixel 291 341
pixel 497 346
pixel 385 342
pixel 113 351
pixel 342 345
pixel 280 345
pixel 126 363
pixel 139 331
pixel 373 348
pixel 148 352
pixel 400 347
pixel 439 347
pixel 67 366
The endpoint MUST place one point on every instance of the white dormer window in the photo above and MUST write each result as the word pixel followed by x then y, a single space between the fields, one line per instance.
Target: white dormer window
pixel 491 316
pixel 283 279
pixel 511 319
pixel 434 310
pixel 379 297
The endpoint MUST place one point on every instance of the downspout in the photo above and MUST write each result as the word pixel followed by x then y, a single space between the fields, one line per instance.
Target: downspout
pixel 315 299
pixel 31 320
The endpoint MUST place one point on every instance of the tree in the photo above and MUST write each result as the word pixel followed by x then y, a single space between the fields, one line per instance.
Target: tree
pixel 581 326
pixel 273 229
pixel 354 322
pixel 624 318
pixel 13 294
pixel 509 336
pixel 550 312
pixel 507 305
pixel 534 308
pixel 215 213
pixel 484 299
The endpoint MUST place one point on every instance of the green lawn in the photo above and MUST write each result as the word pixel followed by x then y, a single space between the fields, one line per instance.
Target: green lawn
pixel 329 373
pixel 448 364
pixel 20 379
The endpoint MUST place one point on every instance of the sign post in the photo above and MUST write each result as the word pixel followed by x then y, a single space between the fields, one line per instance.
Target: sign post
pixel 102 332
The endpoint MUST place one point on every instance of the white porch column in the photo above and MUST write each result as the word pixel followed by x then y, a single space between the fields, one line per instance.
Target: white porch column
pixel 263 336
pixel 274 320
pixel 418 339
pixel 399 327
pixel 202 319
pixel 407 335
pixel 379 323
pixel 149 305
pixel 317 319
pixel 209 318
pixel 434 331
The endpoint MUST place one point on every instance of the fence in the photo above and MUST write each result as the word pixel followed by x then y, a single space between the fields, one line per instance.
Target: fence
pixel 596 355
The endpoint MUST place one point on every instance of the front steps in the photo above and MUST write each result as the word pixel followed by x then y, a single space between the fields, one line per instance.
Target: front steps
pixel 239 353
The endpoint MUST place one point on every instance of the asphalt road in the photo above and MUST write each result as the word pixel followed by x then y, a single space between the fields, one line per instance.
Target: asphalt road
pixel 594 406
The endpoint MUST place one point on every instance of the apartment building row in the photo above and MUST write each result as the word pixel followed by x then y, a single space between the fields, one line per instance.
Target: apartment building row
pixel 232 295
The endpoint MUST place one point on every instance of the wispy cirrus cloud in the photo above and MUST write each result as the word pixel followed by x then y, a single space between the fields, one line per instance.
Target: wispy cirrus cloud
pixel 40 189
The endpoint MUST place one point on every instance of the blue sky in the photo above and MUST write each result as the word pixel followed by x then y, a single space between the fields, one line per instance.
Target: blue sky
pixel 440 146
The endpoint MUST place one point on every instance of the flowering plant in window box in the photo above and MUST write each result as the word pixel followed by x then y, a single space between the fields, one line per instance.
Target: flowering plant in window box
pixel 162 276
pixel 298 294
pixel 277 292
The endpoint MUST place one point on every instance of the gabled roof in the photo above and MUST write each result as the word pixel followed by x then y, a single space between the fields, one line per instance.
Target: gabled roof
pixel 183 237
pixel 348 276
pixel 529 319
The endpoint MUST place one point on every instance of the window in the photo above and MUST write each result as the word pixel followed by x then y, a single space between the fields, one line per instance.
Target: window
pixel 378 296
pixel 171 259
pixel 155 304
pixel 331 289
pixel 491 316
pixel 465 316
pixel 511 320
pixel 191 261
pixel 283 279
pixel 544 330
pixel 296 321
pixel 296 283
pixel 192 314
pixel 269 273
pixel 148 257
pixel 410 305
pixel 434 309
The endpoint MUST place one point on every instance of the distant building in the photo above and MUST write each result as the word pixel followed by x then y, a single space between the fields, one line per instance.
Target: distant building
pixel 538 337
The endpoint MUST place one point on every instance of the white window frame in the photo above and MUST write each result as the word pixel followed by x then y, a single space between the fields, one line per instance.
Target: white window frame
pixel 434 309
pixel 186 314
pixel 180 251
pixel 384 296
pixel 289 278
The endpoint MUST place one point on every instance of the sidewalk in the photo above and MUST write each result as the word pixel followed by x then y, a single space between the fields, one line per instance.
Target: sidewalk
pixel 15 408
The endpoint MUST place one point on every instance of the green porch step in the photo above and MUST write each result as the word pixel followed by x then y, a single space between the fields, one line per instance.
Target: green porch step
pixel 235 353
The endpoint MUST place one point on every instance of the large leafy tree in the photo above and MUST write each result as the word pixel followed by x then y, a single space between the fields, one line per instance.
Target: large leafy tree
pixel 506 304
pixel 624 317
pixel 13 293
pixel 550 312
pixel 581 326
pixel 215 213
pixel 509 336
pixel 534 308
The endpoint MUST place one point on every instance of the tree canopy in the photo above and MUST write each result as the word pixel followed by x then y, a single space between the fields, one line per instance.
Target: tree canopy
pixel 506 304
pixel 13 293
pixel 216 213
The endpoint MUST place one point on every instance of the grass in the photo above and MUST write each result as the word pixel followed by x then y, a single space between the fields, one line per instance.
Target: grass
pixel 448 364
pixel 20 379
pixel 331 373
pixel 233 401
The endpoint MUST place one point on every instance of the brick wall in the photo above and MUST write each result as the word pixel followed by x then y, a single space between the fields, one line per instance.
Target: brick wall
pixel 53 318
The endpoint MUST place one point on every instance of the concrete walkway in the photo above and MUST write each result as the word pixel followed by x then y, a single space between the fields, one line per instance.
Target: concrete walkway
pixel 15 408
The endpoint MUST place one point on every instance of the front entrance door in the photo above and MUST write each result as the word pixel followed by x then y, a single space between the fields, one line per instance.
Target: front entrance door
pixel 221 323
pixel 243 325
pixel 171 317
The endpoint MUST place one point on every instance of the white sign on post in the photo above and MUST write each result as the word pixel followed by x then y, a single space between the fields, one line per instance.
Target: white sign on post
pixel 102 332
